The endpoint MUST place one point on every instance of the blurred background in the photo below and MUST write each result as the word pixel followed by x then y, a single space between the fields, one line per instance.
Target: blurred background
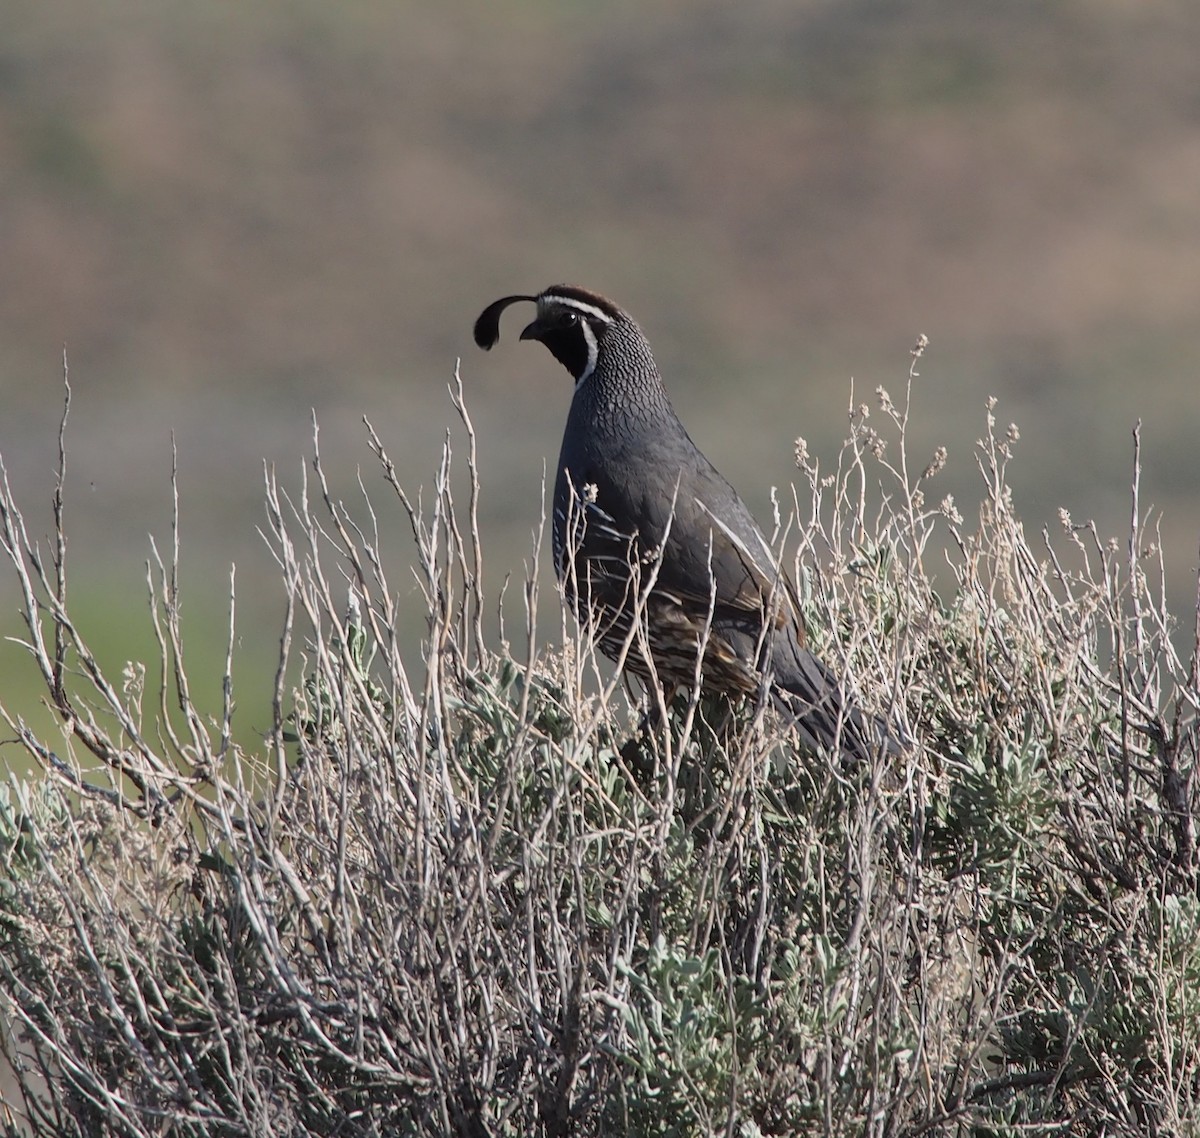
pixel 236 215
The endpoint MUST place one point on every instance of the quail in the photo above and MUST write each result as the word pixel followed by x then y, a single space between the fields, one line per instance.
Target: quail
pixel 645 529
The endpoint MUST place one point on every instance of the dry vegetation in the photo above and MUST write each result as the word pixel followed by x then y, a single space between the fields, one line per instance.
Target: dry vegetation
pixel 231 213
pixel 442 901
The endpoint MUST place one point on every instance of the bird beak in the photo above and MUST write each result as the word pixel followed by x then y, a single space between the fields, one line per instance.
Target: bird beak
pixel 532 331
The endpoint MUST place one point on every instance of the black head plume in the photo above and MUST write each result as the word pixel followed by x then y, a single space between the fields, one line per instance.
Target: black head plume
pixel 487 327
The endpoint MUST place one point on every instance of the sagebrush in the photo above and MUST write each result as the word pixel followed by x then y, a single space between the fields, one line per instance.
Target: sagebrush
pixel 480 897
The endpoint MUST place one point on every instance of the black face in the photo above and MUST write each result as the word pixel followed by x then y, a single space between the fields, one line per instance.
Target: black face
pixel 571 322
pixel 573 340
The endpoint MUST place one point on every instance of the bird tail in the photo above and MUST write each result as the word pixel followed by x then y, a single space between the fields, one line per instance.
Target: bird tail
pixel 826 716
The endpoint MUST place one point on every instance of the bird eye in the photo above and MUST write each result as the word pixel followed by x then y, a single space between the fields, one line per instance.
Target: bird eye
pixel 570 318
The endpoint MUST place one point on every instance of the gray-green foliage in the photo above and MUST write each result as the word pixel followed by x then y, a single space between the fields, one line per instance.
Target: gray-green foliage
pixel 479 899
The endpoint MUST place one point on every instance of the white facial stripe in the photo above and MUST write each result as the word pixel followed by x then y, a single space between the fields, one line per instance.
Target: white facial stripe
pixel 593 352
pixel 579 306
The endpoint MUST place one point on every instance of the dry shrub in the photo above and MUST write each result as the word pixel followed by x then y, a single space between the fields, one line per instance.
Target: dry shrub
pixel 473 899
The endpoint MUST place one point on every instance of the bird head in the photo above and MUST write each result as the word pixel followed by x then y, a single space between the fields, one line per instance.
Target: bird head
pixel 570 321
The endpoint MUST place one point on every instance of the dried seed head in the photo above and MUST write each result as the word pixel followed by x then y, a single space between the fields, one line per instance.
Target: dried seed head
pixel 873 441
pixel 936 464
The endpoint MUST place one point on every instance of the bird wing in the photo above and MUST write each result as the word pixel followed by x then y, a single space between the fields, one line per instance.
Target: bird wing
pixel 710 557
pixel 719 558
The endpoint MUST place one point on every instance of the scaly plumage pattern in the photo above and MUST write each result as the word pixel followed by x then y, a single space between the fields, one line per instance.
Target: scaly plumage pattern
pixel 645 524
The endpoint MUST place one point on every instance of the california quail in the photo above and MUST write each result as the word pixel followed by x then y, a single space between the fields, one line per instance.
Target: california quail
pixel 642 517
